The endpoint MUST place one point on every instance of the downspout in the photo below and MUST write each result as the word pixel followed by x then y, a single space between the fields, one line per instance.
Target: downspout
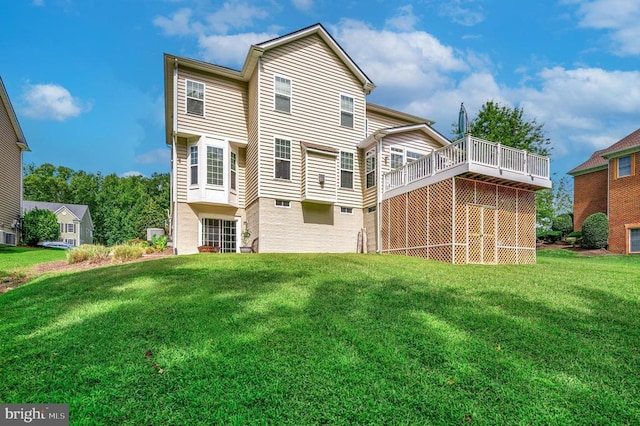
pixel 174 160
pixel 378 139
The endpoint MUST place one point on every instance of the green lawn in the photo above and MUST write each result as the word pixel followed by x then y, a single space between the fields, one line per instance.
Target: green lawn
pixel 20 257
pixel 329 339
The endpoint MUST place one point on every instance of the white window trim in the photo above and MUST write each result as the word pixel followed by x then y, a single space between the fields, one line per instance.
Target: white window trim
pixel 353 113
pixel 630 165
pixel 236 219
pixel 287 206
pixel 284 159
pixel 370 153
pixel 275 76
pixel 233 182
pixel 189 165
pixel 225 165
pixel 204 98
pixel 353 166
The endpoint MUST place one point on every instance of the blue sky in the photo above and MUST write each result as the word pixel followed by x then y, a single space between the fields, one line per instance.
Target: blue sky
pixel 86 76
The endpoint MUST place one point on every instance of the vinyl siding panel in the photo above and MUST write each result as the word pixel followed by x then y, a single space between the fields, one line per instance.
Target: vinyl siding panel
pixel 415 141
pixel 317 164
pixel 10 173
pixel 318 78
pixel 181 170
pixel 225 106
pixel 251 173
pixel 378 121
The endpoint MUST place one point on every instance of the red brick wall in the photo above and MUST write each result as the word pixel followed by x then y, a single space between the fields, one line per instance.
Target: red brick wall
pixel 589 196
pixel 624 206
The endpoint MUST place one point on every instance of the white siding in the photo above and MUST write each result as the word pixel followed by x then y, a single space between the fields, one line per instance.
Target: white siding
pixel 225 106
pixel 416 141
pixel 318 78
pixel 10 172
pixel 378 121
pixel 315 165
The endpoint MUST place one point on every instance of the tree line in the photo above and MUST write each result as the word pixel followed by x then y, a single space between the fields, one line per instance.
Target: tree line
pixel 122 208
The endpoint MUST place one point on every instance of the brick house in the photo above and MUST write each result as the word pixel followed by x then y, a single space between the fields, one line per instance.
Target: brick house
pixel 608 182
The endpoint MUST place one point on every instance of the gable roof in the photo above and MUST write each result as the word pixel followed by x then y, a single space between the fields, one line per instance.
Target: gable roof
pixel 599 160
pixel 423 127
pixel 4 98
pixel 78 210
pixel 251 61
pixel 397 114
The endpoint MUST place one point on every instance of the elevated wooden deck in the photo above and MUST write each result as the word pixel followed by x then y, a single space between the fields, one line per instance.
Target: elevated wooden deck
pixel 474 158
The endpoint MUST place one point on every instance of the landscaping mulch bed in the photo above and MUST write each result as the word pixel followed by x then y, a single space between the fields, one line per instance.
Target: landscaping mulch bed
pixel 18 278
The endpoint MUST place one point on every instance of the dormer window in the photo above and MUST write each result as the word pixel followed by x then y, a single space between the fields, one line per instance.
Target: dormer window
pixel 195 98
pixel 282 94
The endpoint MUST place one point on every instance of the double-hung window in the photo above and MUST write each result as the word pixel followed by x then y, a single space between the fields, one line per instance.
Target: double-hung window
pixel 71 228
pixel 282 94
pixel 634 240
pixel 215 164
pixel 193 164
pixel 346 111
pixel 346 170
pixel 234 169
pixel 282 159
pixel 195 98
pixel 624 166
pixel 413 156
pixel 397 157
pixel 370 168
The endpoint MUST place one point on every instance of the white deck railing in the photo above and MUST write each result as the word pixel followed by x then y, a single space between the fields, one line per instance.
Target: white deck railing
pixel 469 150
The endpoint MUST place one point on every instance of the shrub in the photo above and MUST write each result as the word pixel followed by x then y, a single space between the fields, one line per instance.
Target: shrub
pixel 39 225
pixel 595 231
pixel 159 243
pixel 549 236
pixel 577 234
pixel 126 252
pixel 562 223
pixel 90 252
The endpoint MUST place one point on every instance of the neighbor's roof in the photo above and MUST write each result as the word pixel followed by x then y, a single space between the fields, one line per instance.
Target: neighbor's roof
pixel 4 98
pixel 79 210
pixel 600 159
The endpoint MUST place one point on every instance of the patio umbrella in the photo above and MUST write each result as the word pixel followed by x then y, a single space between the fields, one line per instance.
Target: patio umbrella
pixel 463 121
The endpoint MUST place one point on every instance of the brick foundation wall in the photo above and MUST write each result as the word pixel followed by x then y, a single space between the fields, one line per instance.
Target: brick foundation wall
pixel 589 196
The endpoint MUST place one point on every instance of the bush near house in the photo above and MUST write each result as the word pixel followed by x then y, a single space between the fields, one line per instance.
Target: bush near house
pixel 549 236
pixel 562 223
pixel 94 253
pixel 39 225
pixel 595 231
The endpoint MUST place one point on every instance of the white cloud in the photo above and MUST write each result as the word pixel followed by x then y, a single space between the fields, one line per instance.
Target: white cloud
pixel 51 101
pixel 229 49
pixel 131 173
pixel 618 16
pixel 463 12
pixel 177 24
pixel 303 5
pixel 234 15
pixel 38 2
pixel 411 60
pixel 405 20
pixel 158 155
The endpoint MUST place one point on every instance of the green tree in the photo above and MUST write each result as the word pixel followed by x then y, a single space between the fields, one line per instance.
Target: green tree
pixel 500 123
pixel 595 231
pixel 47 183
pixel 562 197
pixel 39 225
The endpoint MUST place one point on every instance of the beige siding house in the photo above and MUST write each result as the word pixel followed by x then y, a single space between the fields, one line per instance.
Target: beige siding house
pixel 74 220
pixel 12 145
pixel 289 149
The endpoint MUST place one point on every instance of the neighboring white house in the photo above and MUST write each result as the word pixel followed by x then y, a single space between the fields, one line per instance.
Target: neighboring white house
pixel 74 220
pixel 12 145
pixel 289 148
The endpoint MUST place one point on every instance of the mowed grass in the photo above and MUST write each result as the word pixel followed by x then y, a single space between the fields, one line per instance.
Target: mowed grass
pixel 329 339
pixel 16 262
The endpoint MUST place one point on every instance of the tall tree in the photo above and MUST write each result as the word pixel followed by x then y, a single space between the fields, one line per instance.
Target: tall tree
pixel 501 123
